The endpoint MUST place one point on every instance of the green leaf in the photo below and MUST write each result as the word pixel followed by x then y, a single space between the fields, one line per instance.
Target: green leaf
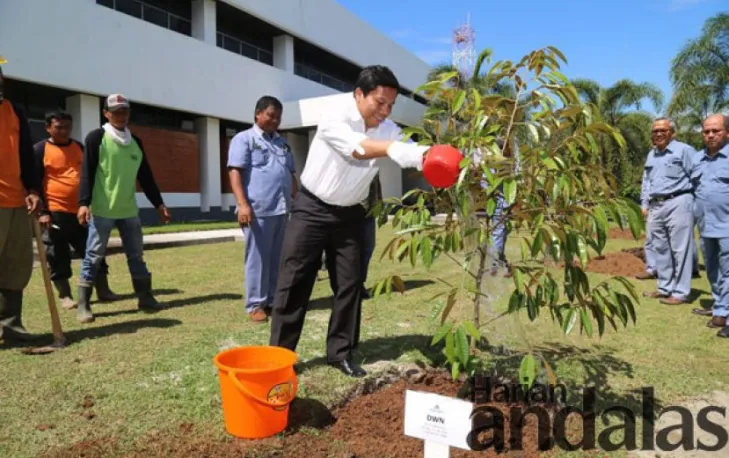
pixel 441 332
pixel 586 322
pixel 491 206
pixel 582 250
pixel 519 280
pixel 569 321
pixel 449 305
pixel 456 370
pixel 528 370
pixel 413 251
pixel 450 348
pixel 514 302
pixel 458 102
pixel 525 250
pixel 426 252
pixel 510 191
pixel 462 345
pixel 629 287
pixel 537 244
pixel 471 330
pixel 476 99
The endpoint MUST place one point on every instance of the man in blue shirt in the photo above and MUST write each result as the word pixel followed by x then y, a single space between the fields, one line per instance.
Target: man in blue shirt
pixel 710 177
pixel 670 212
pixel 650 254
pixel 261 172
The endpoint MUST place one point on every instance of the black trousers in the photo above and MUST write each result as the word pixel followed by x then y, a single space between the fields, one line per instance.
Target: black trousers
pixel 59 241
pixel 316 227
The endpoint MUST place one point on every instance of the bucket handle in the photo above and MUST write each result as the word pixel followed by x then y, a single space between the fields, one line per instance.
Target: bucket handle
pixel 247 393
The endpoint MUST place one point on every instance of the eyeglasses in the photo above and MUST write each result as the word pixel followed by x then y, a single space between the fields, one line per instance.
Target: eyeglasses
pixel 660 131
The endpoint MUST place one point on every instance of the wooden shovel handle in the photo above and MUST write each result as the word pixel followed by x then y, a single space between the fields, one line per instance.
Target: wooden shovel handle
pixel 55 320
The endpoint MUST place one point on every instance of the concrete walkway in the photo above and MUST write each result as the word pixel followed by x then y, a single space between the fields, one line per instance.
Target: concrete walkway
pixel 173 239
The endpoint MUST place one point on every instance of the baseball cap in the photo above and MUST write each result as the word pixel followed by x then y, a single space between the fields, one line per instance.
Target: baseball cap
pixel 116 101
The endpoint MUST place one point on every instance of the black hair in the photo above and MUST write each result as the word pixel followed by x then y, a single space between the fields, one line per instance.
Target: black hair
pixel 376 75
pixel 268 101
pixel 58 115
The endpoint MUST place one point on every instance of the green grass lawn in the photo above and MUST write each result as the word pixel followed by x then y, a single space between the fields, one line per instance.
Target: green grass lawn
pixel 149 373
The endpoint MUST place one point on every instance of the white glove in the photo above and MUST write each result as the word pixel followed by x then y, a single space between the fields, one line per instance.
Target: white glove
pixel 407 155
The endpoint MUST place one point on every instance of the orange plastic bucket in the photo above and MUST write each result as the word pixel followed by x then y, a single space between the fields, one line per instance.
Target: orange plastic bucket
pixel 441 166
pixel 257 384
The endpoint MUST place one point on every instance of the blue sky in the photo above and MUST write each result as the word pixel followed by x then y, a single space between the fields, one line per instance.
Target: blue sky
pixel 602 40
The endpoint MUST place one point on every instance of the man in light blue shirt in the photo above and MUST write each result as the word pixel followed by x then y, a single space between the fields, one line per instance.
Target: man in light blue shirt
pixel 650 254
pixel 261 172
pixel 710 177
pixel 670 212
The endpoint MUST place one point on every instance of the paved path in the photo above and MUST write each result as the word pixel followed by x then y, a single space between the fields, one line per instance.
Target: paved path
pixel 176 239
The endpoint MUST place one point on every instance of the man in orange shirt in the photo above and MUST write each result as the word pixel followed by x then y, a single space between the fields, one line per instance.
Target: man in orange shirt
pixel 19 198
pixel 58 161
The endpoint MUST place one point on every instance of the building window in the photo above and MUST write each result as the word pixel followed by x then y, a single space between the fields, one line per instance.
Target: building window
pixel 36 101
pixel 244 49
pixel 175 15
pixel 313 74
pixel 159 118
pixel 317 64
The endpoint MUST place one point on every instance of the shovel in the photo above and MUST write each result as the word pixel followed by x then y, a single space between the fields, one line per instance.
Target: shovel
pixel 59 341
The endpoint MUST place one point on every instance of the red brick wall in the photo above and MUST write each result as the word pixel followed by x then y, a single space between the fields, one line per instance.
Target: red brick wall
pixel 173 156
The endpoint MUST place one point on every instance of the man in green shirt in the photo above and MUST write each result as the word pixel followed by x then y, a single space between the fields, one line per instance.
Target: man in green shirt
pixel 114 160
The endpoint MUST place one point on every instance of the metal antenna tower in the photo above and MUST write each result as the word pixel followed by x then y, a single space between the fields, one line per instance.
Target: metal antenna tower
pixel 464 48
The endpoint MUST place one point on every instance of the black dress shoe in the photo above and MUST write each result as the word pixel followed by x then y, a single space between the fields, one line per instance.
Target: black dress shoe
pixel 349 368
pixel 723 332
pixel 365 294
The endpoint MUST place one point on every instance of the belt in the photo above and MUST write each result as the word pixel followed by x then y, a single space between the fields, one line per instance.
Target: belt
pixel 313 197
pixel 665 197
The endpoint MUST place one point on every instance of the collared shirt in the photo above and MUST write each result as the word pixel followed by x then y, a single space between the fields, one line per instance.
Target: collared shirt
pixel 330 172
pixel 268 166
pixel 669 171
pixel 710 177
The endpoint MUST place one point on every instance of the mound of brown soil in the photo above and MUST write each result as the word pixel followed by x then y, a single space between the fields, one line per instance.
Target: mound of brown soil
pixel 368 426
pixel 617 263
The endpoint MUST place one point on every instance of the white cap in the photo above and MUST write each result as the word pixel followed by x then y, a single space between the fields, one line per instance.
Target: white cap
pixel 116 101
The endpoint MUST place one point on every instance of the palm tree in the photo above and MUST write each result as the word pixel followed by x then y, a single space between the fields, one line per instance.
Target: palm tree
pixel 700 73
pixel 621 106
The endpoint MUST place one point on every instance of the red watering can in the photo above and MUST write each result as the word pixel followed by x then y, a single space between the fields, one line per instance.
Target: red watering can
pixel 440 166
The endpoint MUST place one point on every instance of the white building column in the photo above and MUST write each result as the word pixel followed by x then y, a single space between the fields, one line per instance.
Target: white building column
pixel 86 112
pixel 390 178
pixel 283 53
pixel 299 147
pixel 204 21
pixel 208 131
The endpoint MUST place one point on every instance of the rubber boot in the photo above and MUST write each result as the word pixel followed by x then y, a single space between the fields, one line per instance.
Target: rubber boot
pixel 11 324
pixel 83 314
pixel 103 292
pixel 64 293
pixel 146 301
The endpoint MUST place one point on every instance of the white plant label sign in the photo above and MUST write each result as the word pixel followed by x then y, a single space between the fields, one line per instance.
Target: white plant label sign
pixel 439 420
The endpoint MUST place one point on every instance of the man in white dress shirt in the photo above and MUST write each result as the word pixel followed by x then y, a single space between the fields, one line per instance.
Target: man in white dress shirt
pixel 327 214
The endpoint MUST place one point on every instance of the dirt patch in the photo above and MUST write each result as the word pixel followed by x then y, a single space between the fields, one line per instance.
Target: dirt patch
pixel 617 263
pixel 368 426
pixel 624 234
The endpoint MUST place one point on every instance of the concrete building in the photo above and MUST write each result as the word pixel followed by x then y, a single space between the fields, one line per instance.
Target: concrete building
pixel 193 70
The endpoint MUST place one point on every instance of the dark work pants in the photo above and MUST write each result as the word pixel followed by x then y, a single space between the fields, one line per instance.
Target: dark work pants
pixel 58 242
pixel 317 227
